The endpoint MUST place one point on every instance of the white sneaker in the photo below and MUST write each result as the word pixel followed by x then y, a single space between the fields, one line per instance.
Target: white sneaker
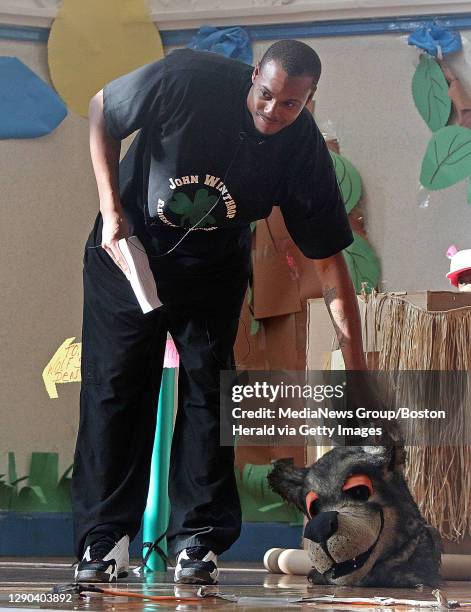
pixel 104 560
pixel 196 565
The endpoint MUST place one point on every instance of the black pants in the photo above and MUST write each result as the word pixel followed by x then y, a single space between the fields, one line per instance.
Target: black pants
pixel 122 354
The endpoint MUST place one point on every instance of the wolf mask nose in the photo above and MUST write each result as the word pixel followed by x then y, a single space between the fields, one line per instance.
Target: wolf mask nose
pixel 320 528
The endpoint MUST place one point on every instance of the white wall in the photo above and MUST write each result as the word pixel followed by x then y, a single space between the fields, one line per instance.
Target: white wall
pixel 49 202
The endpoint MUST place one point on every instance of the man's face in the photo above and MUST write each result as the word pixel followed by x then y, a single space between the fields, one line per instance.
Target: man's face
pixel 276 99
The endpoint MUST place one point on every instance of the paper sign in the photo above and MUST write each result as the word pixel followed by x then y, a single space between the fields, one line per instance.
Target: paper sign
pixel 92 43
pixel 29 107
pixel 64 367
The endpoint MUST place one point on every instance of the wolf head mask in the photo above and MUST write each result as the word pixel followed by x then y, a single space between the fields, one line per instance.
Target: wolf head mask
pixel 364 528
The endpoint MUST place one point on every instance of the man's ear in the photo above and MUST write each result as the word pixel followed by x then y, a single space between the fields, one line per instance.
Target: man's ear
pixel 256 72
pixel 288 481
pixel 309 104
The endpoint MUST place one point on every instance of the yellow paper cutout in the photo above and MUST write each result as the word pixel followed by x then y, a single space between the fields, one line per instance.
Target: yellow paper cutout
pixel 64 367
pixel 93 42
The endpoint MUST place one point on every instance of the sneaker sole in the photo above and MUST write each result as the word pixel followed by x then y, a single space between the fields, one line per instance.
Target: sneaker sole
pixel 94 576
pixel 191 576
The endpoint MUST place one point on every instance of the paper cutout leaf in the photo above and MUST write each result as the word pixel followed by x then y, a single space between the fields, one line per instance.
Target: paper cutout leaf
pixel 270 507
pixel 12 475
pixel 259 503
pixel 348 179
pixel 43 493
pixel 447 158
pixel 29 499
pixel 254 327
pixel 6 494
pixel 44 470
pixel 362 264
pixel 430 93
pixel 92 43
pixel 29 107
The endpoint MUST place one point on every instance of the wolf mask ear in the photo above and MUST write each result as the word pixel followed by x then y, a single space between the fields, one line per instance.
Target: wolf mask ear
pixel 394 457
pixel 288 481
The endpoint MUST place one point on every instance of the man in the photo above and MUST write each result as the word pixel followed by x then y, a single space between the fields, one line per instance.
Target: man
pixel 218 146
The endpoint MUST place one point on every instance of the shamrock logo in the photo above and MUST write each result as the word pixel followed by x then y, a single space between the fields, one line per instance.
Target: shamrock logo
pixel 192 212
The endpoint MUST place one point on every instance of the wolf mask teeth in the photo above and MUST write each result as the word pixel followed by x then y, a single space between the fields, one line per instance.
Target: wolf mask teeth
pixel 349 548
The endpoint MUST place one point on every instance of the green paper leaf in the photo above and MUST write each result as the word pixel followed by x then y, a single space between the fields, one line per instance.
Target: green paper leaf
pixel 29 499
pixel 6 493
pixel 430 93
pixel 44 470
pixel 12 475
pixel 15 482
pixel 362 263
pixel 66 473
pixel 254 327
pixel 447 158
pixel 270 507
pixel 348 179
pixel 258 502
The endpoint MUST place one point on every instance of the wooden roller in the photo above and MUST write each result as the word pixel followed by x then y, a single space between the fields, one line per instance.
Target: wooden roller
pixel 297 562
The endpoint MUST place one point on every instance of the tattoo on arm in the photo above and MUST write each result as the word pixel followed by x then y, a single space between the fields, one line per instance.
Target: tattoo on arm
pixel 337 316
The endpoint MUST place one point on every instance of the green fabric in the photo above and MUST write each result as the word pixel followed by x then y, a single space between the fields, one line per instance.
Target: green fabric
pixel 362 264
pixel 348 179
pixel 430 93
pixel 447 158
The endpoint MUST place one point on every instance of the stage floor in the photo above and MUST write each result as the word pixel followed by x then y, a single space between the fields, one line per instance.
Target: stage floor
pixel 28 583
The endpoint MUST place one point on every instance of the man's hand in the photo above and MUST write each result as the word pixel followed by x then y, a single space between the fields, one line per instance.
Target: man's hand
pixel 115 227
pixel 341 302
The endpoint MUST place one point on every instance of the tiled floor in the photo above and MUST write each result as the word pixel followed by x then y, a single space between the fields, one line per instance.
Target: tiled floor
pixel 27 584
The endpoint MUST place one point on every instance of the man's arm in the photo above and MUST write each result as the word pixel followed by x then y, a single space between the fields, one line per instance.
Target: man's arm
pixel 105 152
pixel 341 302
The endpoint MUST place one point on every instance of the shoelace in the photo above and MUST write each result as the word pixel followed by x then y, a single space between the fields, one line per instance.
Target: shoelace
pixel 101 547
pixel 197 552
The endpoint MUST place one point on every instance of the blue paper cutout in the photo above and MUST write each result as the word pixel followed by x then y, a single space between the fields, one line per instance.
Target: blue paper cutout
pixel 29 107
pixel 431 37
pixel 231 42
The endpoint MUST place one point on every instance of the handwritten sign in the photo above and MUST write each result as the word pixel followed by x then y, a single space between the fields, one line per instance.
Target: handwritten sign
pixel 64 366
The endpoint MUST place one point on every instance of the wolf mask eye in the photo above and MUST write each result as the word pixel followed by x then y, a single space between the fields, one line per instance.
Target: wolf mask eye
pixel 311 499
pixel 358 487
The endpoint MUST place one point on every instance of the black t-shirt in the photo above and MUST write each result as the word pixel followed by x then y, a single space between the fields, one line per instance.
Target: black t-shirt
pixel 198 147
